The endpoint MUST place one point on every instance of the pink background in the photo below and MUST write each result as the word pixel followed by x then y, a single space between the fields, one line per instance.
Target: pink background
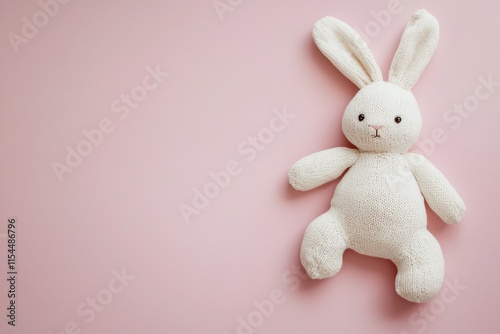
pixel 119 209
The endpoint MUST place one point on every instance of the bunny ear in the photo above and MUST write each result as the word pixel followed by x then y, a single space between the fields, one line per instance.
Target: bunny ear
pixel 350 54
pixel 418 43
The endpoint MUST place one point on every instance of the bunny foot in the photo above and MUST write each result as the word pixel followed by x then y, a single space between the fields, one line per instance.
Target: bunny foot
pixel 420 269
pixel 323 246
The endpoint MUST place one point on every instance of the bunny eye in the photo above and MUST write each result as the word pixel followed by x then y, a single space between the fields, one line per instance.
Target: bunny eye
pixel 361 117
pixel 397 119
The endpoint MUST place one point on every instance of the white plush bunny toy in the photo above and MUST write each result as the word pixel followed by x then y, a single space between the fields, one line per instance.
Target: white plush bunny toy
pixel 378 206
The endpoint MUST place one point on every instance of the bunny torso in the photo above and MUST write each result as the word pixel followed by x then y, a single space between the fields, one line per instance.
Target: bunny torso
pixel 380 202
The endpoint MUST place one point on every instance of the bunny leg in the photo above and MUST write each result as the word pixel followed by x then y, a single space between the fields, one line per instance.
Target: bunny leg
pixel 323 245
pixel 420 268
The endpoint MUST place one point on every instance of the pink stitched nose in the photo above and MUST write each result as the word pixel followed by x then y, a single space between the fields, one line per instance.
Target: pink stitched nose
pixel 377 127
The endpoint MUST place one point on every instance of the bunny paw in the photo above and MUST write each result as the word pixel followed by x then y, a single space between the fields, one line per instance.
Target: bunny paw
pixel 322 247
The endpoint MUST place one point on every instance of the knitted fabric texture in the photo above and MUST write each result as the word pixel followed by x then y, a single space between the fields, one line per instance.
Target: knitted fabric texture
pixel 378 207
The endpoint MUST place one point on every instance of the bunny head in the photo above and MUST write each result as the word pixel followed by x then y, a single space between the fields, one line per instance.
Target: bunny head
pixel 382 116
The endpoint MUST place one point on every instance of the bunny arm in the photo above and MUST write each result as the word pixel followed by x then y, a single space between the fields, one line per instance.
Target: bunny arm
pixel 321 167
pixel 436 189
